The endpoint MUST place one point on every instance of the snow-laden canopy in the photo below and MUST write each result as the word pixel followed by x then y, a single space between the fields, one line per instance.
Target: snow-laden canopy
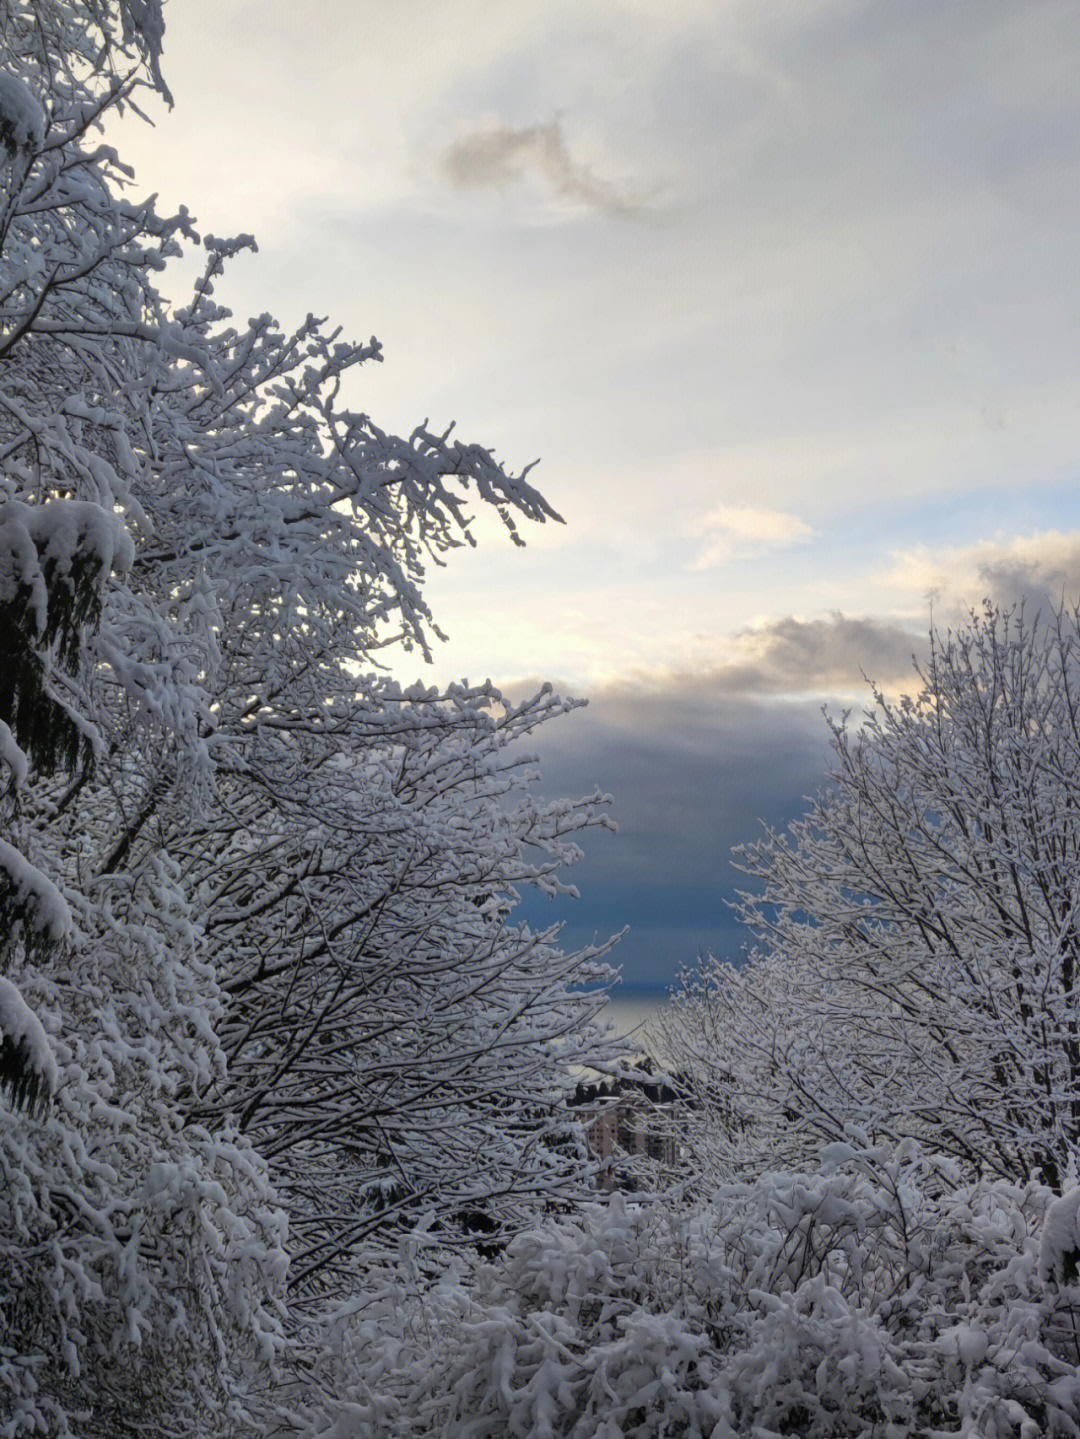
pixel 264 1008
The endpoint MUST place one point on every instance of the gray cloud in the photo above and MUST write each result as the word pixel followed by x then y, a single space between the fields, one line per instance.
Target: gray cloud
pixel 696 762
pixel 696 759
pixel 838 654
pixel 499 155
pixel 693 772
pixel 790 657
pixel 1043 581
pixel 1042 570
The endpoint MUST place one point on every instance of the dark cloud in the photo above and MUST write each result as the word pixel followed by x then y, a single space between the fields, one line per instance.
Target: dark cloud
pixel 789 656
pixel 792 656
pixel 696 763
pixel 1042 579
pixel 693 771
pixel 499 155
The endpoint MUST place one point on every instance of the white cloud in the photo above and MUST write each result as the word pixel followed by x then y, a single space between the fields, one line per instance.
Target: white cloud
pixel 740 532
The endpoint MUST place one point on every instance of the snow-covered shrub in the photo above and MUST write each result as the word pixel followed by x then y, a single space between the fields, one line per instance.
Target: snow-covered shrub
pixel 142 1260
pixel 871 1299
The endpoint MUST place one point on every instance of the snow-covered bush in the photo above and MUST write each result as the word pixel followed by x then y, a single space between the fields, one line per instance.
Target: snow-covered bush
pixel 867 1300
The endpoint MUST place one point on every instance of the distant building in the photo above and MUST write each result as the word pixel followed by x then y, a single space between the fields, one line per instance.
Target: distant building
pixel 627 1118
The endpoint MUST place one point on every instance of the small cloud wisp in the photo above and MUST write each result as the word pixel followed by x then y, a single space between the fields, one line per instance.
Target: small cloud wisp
pixel 496 156
pixel 739 532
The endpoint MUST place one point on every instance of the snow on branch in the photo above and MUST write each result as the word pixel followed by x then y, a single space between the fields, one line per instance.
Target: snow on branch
pixel 1059 1248
pixel 22 120
pixel 27 1067
pixel 54 559
pixel 28 897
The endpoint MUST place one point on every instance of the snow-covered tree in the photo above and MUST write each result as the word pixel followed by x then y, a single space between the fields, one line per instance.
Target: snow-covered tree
pixel 918 943
pixel 283 1010
pixel 395 1045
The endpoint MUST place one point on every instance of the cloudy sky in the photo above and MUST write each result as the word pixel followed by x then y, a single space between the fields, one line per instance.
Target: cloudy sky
pixel 783 293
